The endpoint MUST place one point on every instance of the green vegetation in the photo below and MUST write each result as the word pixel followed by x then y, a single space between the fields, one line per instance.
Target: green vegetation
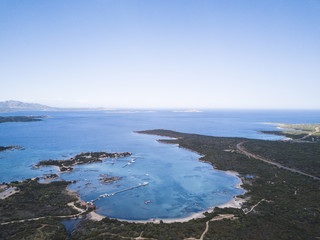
pixel 293 210
pixel 305 132
pixel 305 157
pixel 50 176
pixel 37 200
pixel 41 229
pixel 82 158
pixel 312 127
pixel 297 135
pixel 114 229
pixel 289 134
pixel 21 119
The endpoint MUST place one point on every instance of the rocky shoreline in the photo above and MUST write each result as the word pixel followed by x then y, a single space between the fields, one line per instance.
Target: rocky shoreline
pixel 12 147
pixel 82 158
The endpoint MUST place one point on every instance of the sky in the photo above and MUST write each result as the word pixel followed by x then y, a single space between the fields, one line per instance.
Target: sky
pixel 232 54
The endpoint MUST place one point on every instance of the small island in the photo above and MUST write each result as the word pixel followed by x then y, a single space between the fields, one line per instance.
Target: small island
pixel 108 179
pixel 49 177
pixel 82 158
pixel 4 148
pixel 21 119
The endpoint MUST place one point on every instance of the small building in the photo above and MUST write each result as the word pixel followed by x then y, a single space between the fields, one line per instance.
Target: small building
pixel 83 203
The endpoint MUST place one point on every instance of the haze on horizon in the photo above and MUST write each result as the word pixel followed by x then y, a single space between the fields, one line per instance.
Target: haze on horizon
pixel 161 54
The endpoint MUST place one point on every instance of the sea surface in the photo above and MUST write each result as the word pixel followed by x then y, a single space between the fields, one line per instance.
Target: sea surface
pixel 178 184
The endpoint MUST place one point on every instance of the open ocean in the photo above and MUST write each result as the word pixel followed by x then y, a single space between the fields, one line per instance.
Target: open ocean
pixel 179 185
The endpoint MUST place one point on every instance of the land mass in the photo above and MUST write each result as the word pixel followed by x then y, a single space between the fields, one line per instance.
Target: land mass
pixel 82 158
pixel 279 203
pixel 35 210
pixel 18 119
pixel 16 106
pixel 299 132
pixel 21 119
pixel 12 147
pixel 108 179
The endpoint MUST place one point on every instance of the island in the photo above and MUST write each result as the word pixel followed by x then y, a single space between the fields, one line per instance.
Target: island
pixel 106 178
pixel 12 147
pixel 82 158
pixel 21 119
pixel 281 199
pixel 18 119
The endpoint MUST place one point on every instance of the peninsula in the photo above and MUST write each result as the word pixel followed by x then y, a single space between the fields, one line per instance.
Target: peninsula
pixel 82 158
pixel 280 203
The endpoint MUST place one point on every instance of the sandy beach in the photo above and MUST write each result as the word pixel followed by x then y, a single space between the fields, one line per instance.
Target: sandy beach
pixel 279 125
pixel 233 203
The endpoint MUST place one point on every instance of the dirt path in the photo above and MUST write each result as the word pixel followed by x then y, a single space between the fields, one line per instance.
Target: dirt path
pixel 217 218
pixel 8 192
pixel 224 216
pixel 241 148
pixel 205 231
pixel 254 206
pixel 142 238
pixel 310 134
pixel 302 140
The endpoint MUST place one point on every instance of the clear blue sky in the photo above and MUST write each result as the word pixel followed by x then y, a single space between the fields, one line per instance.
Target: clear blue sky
pixel 161 54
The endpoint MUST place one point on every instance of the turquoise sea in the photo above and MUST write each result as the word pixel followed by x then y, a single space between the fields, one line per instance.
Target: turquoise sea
pixel 179 185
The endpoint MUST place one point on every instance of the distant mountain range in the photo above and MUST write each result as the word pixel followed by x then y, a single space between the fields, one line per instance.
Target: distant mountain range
pixel 15 106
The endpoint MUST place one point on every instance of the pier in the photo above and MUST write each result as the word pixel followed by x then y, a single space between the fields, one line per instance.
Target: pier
pixel 111 194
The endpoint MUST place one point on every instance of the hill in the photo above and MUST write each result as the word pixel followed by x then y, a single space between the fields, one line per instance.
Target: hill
pixel 17 106
pixel 14 106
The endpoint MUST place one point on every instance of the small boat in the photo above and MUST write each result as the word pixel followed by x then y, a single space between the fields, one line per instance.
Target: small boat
pixel 147 202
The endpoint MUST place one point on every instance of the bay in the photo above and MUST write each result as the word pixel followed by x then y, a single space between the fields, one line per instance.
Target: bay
pixel 179 185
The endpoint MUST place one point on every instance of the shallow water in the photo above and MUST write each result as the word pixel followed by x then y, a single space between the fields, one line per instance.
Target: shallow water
pixel 178 184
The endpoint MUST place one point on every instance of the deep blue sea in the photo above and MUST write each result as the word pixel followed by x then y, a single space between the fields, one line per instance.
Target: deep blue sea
pixel 179 185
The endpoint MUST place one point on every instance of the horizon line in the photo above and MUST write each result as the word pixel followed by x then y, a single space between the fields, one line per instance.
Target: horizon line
pixel 190 109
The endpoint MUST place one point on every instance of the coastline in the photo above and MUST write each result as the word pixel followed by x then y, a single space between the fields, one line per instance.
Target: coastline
pixel 235 202
pixel 275 124
pixel 279 126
